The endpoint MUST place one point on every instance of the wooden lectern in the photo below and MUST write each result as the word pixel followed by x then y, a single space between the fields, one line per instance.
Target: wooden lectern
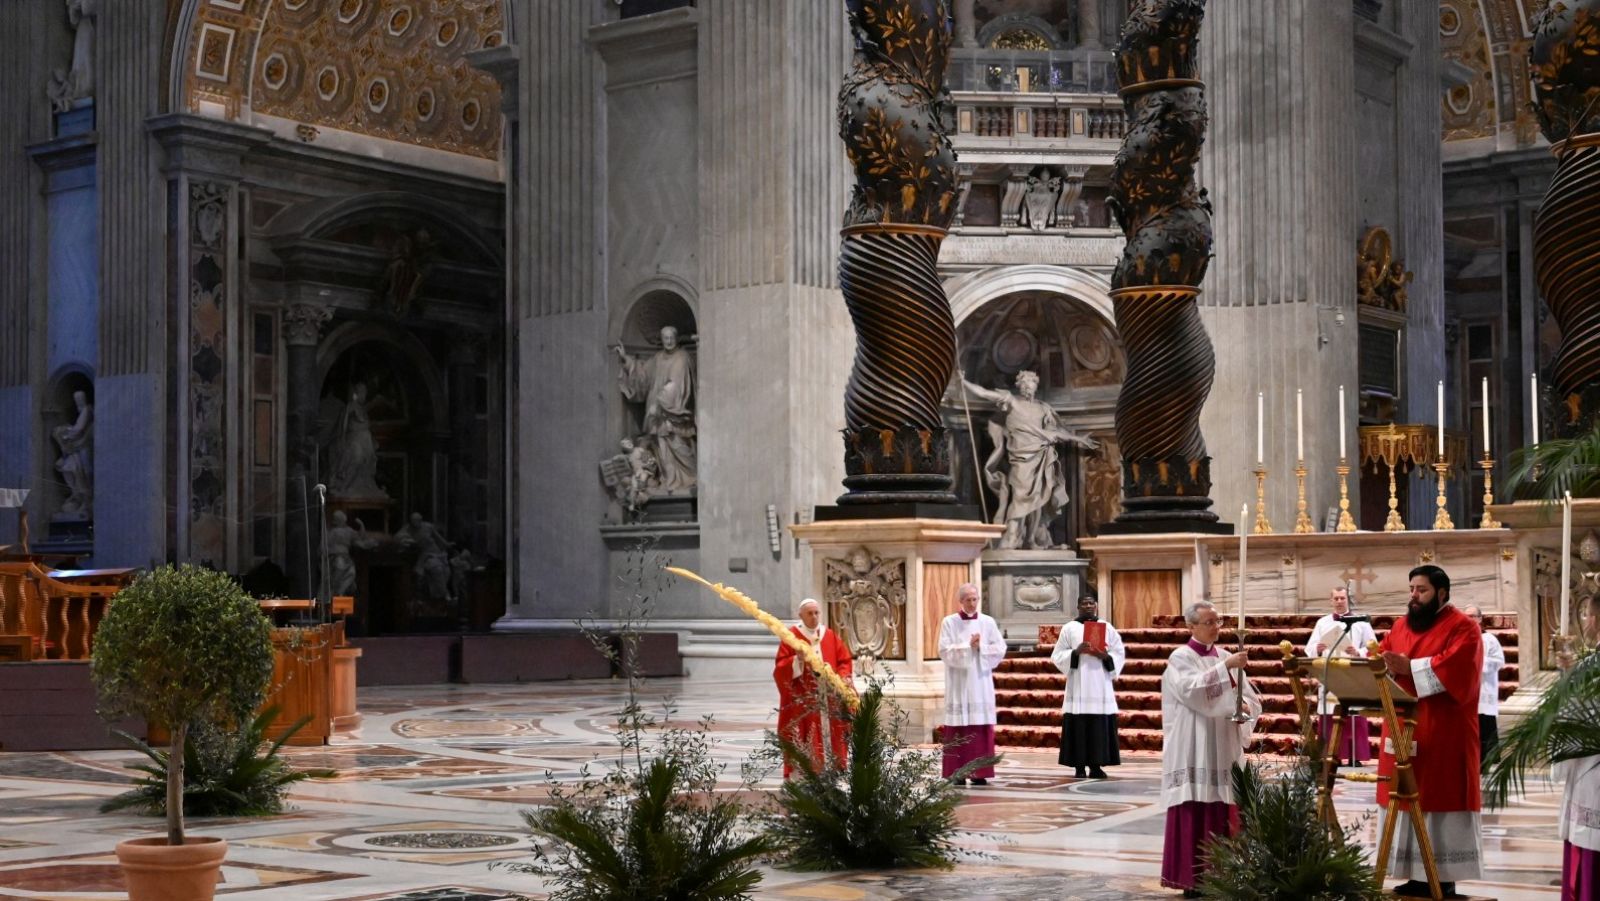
pixel 1362 685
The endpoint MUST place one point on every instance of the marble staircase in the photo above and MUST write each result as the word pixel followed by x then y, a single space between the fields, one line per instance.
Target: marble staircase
pixel 1028 688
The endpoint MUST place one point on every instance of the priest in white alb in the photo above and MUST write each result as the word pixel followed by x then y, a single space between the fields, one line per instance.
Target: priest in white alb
pixel 971 646
pixel 1089 705
pixel 1330 638
pixel 1200 745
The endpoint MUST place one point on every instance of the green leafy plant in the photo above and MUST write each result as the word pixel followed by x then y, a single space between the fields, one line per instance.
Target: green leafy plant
pixel 887 808
pixel 224 773
pixel 1549 469
pixel 1565 725
pixel 654 826
pixel 180 645
pixel 1283 852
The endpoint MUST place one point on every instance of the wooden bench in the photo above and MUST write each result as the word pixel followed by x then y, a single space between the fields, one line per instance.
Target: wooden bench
pixel 59 615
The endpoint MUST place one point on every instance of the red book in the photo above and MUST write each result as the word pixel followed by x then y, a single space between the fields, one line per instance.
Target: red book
pixel 1094 635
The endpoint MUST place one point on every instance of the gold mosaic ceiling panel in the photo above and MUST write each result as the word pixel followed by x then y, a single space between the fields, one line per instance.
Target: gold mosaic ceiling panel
pixel 1491 37
pixel 394 69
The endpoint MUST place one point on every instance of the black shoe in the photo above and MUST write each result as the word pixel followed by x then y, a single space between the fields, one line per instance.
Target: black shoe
pixel 1097 773
pixel 1190 893
pixel 1078 773
pixel 958 782
pixel 1414 889
pixel 980 782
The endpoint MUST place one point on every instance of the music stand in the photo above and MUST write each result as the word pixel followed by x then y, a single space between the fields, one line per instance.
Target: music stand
pixel 1362 684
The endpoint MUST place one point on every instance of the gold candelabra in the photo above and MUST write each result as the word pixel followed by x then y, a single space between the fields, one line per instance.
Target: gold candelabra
pixel 1263 526
pixel 1394 523
pixel 1302 522
pixel 1346 524
pixel 1488 520
pixel 1441 519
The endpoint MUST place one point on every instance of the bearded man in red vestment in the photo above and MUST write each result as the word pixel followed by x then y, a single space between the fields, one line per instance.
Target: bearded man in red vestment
pixel 1435 654
pixel 800 706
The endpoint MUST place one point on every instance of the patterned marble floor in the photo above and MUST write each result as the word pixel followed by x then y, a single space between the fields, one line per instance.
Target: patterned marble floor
pixel 430 790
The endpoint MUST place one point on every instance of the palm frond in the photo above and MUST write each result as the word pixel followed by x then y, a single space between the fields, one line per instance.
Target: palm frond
pixel 1564 725
pixel 1555 466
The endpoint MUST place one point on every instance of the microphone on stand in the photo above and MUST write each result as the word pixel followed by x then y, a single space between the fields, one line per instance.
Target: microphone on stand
pixel 1350 619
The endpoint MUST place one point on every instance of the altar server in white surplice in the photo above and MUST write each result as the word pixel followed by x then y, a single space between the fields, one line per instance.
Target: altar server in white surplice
pixel 971 646
pixel 1200 745
pixel 1089 708
pixel 1330 638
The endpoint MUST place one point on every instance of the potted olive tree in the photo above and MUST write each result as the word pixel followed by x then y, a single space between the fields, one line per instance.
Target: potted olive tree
pixel 180 645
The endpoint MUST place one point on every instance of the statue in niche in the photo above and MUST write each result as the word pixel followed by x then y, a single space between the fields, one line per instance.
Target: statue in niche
pixel 460 564
pixel 409 259
pixel 1025 470
pixel 74 83
pixel 866 598
pixel 665 385
pixel 341 538
pixel 630 476
pixel 432 570
pixel 76 463
pixel 352 454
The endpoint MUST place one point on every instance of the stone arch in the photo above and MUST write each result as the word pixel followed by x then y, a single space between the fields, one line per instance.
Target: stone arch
pixel 1000 25
pixel 320 218
pixel 970 291
pixel 289 64
pixel 350 334
pixel 661 300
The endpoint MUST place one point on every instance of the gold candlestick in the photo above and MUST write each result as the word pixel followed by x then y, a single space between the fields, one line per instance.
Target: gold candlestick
pixel 1394 523
pixel 1488 520
pixel 1263 526
pixel 1441 519
pixel 1346 524
pixel 1302 522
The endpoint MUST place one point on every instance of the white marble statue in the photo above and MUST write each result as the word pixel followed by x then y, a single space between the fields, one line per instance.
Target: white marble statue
pixel 341 566
pixel 76 463
pixel 1025 468
pixel 71 84
pixel 352 454
pixel 665 385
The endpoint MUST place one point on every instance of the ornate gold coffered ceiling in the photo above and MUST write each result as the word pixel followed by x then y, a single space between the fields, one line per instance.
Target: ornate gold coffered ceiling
pixel 392 69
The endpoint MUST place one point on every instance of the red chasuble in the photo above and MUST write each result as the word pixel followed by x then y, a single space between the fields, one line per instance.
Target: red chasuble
pixel 1446 757
pixel 799 718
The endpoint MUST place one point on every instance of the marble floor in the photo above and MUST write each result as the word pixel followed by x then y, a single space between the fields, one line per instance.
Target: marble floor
pixel 429 792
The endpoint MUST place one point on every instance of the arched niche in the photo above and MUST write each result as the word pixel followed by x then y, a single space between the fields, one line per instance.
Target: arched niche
pixel 405 411
pixel 1035 319
pixel 637 330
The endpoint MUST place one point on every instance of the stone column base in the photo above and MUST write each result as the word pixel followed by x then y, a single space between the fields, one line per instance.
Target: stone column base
pixel 1024 590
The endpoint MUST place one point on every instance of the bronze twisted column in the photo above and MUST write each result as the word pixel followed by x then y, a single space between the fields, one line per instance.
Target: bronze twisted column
pixel 891 120
pixel 1566 81
pixel 1166 474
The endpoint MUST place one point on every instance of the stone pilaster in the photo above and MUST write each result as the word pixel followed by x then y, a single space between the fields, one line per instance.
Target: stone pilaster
pixel 1089 24
pixel 1280 166
pixel 302 329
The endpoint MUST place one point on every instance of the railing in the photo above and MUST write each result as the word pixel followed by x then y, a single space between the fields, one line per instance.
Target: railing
pixel 1056 118
pixel 1032 71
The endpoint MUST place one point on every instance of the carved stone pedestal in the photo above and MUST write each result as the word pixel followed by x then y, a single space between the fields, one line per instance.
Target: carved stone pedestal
pixel 887 584
pixel 1023 590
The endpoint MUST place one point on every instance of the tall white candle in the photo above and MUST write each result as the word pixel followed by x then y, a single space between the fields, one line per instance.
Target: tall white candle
pixel 1486 417
pixel 1566 561
pixel 1261 426
pixel 1244 537
pixel 1534 406
pixel 1299 425
pixel 1341 422
pixel 1441 418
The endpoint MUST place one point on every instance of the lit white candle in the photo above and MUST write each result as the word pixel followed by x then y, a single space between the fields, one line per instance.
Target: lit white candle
pixel 1535 407
pixel 1441 418
pixel 1244 536
pixel 1566 561
pixel 1486 417
pixel 1299 425
pixel 1341 422
pixel 1261 426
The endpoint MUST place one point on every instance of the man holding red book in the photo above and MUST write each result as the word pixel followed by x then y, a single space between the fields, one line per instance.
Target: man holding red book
pixel 1090 652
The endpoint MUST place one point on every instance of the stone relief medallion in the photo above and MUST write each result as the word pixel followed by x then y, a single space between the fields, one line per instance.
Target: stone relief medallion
pixel 1036 594
pixel 1015 350
pixel 866 598
pixel 1091 347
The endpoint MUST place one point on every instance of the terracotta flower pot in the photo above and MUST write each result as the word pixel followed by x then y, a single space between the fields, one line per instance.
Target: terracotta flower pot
pixel 157 871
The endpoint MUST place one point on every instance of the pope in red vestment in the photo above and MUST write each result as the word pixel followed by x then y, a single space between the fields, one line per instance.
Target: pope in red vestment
pixel 799 709
pixel 1436 654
